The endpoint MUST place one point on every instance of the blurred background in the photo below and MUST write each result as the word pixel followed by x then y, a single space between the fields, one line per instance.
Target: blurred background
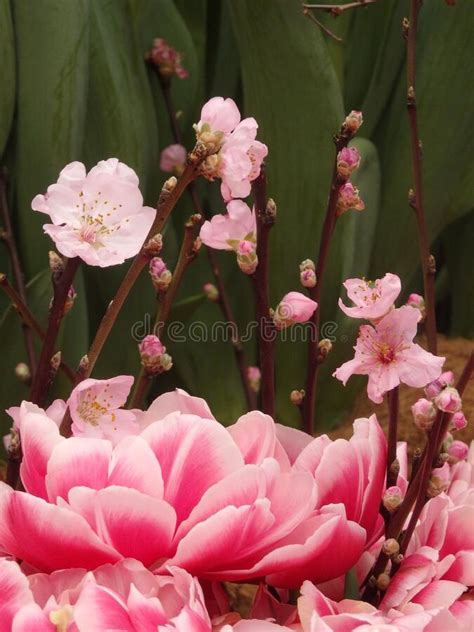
pixel 75 87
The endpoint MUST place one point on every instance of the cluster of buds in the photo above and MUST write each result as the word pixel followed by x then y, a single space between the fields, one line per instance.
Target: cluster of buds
pixel 153 355
pixel 307 273
pixel 418 302
pixel 161 277
pixel 173 159
pixel 166 60
pixel 392 498
pixel 293 308
pixel 446 398
pixel 348 160
pixel 254 377
pixel 211 292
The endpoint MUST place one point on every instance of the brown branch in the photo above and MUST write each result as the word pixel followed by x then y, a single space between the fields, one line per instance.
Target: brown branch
pixel 428 263
pixel 186 256
pixel 223 301
pixel 266 214
pixel 61 288
pixel 393 406
pixel 27 317
pixel 7 235
pixel 320 25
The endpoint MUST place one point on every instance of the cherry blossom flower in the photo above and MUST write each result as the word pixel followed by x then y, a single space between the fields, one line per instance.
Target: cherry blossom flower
pixel 372 299
pixel 173 159
pixel 388 355
pixel 293 308
pixel 98 216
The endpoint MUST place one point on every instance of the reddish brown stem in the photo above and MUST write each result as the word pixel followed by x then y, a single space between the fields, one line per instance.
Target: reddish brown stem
pixel 428 264
pixel 61 288
pixel 266 330
pixel 8 237
pixel 393 406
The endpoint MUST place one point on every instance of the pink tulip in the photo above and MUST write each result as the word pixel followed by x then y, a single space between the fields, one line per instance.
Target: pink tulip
pixel 98 216
pixel 173 159
pixel 388 355
pixel 293 308
pixel 372 299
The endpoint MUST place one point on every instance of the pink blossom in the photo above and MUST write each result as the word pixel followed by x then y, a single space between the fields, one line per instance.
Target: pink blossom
pixel 98 216
pixel 372 299
pixel 173 159
pixel 434 388
pixel 96 409
pixel 418 302
pixel 349 199
pixel 388 355
pixel 293 308
pixel 458 421
pixel 424 413
pixel 166 59
pixel 218 115
pixel 448 400
pixel 153 355
pixel 348 160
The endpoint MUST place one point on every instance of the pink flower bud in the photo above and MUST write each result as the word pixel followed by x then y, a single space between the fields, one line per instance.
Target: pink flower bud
pixel 161 277
pixel 424 413
pixel 458 451
pixel 153 354
pixel 458 421
pixel 254 377
pixel 391 547
pixel 70 298
pixel 449 400
pixel 348 159
pixel 353 121
pixel 349 199
pixel 166 59
pixel 434 388
pixel 392 498
pixel 293 308
pixel 173 159
pixel 297 397
pixel 417 301
pixel 23 373
pixel 308 278
pixel 211 292
pixel 245 247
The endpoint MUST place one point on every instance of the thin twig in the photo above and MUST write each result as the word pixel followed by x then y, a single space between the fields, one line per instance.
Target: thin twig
pixel 186 256
pixel 337 9
pixel 265 213
pixel 27 317
pixel 320 25
pixel 8 237
pixel 56 313
pixel 393 406
pixel 428 263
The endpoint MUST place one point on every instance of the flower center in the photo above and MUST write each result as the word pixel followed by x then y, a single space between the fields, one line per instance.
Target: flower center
pixel 386 353
pixel 91 411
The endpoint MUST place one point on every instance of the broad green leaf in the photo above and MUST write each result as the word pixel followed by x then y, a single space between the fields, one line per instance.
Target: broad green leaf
pixel 52 64
pixel 445 58
pixel 7 55
pixel 223 63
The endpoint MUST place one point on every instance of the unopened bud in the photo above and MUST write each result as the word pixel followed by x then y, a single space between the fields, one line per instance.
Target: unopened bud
pixel 424 413
pixel 70 298
pixel 352 122
pixel 270 211
pixel 392 498
pixel 457 451
pixel 411 198
pixel 197 245
pixel 390 547
pixel 55 362
pixel 84 364
pixel 23 373
pixel 297 397
pixel 211 292
pixel 166 59
pixel 349 199
pixel 169 185
pixel 449 400
pixel 247 259
pixel 173 159
pixel 254 377
pixel 398 559
pixel 161 277
pixel 436 486
pixel 348 159
pixel 434 388
pixel 153 355
pixel 56 264
pixel 395 467
pixel 418 302
pixel 307 273
pixel 154 245
pixel 458 421
pixel 383 581
pixel 324 348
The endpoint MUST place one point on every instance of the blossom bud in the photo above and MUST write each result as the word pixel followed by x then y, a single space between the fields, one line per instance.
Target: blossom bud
pixel 417 301
pixel 209 168
pixel 458 451
pixel 247 259
pixel 161 277
pixel 391 547
pixel 348 159
pixel 211 139
pixel 197 245
pixel 353 121
pixel 154 245
pixel 458 421
pixel 84 365
pixel 449 400
pixel 55 362
pixel 56 264
pixel 23 373
pixel 307 273
pixel 424 413
pixel 392 498
pixel 434 388
pixel 166 59
pixel 70 298
pixel 383 581
pixel 153 355
pixel 436 486
pixel 349 199
pixel 211 292
pixel 254 377
pixel 173 159
pixel 324 348
pixel 169 185
pixel 293 308
pixel 297 397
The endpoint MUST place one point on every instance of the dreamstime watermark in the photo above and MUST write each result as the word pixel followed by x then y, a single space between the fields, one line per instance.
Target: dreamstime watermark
pixel 177 331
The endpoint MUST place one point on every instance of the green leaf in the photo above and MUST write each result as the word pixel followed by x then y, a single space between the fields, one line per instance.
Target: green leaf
pixel 7 55
pixel 52 50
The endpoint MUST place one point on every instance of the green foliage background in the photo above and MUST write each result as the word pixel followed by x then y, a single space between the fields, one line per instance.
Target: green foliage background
pixel 75 87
